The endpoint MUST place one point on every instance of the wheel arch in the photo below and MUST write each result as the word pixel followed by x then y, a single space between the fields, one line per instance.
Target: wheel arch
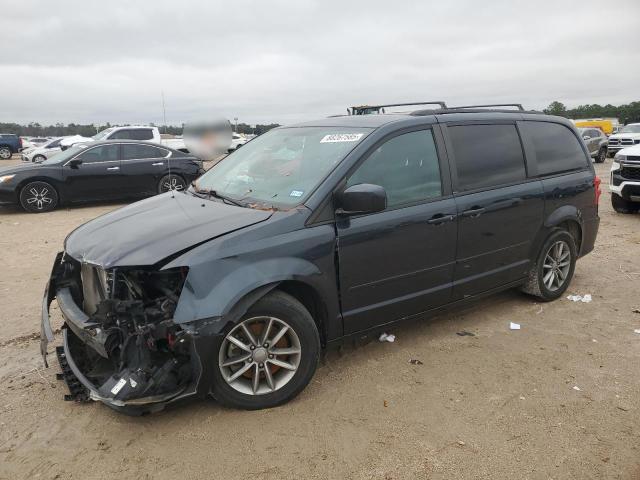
pixel 569 218
pixel 235 293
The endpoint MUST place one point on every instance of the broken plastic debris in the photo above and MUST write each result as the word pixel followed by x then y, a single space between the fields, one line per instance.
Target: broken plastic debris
pixel 586 298
pixel 576 388
pixel 415 361
pixel 514 326
pixel 637 330
pixel 387 337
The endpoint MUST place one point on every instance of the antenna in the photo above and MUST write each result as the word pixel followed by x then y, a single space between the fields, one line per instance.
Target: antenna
pixel 164 115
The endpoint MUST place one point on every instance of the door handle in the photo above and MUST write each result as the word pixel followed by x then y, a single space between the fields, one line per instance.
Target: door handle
pixel 440 218
pixel 157 164
pixel 113 168
pixel 473 212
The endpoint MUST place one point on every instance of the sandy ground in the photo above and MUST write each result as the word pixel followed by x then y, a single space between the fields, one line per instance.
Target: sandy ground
pixel 500 404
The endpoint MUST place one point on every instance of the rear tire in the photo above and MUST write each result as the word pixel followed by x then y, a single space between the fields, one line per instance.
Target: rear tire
pixel 172 182
pixel 550 276
pixel 38 197
pixel 602 155
pixel 621 205
pixel 5 153
pixel 280 376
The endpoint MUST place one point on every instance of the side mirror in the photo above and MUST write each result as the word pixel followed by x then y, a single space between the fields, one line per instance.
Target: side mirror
pixel 360 199
pixel 75 163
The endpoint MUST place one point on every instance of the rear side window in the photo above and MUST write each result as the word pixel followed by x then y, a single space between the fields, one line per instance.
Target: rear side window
pixel 132 151
pixel 557 148
pixel 487 155
pixel 141 134
pixel 405 166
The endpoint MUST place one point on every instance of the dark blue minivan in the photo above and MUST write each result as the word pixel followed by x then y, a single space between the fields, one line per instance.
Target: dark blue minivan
pixel 310 235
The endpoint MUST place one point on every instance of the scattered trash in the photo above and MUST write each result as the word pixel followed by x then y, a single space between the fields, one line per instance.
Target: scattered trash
pixel 586 298
pixel 637 310
pixel 521 397
pixel 514 326
pixel 415 361
pixel 637 330
pixel 387 337
pixel 461 443
pixel 384 402
pixel 594 340
pixel 464 333
pixel 576 388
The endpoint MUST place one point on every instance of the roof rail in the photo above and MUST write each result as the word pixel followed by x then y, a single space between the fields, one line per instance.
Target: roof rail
pixel 367 109
pixel 517 105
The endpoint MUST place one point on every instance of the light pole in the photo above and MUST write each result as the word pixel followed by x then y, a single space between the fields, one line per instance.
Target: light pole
pixel 235 119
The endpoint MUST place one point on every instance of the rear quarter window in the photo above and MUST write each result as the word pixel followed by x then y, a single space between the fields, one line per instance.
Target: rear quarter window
pixel 556 147
pixel 487 155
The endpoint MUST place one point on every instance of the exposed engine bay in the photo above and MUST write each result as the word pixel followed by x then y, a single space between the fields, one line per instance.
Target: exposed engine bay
pixel 120 332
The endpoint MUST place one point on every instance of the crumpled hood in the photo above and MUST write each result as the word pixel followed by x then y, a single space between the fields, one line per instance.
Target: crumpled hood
pixel 147 232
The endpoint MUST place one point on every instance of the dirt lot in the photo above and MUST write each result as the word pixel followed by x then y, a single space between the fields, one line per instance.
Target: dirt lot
pixel 500 404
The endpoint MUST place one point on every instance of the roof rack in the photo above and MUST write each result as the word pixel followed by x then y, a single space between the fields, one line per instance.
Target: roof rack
pixel 517 105
pixel 368 109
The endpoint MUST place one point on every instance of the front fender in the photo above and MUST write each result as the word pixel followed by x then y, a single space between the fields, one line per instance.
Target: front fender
pixel 208 295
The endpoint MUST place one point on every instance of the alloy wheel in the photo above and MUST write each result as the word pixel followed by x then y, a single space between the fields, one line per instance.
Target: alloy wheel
pixel 556 266
pixel 39 197
pixel 172 183
pixel 5 153
pixel 260 355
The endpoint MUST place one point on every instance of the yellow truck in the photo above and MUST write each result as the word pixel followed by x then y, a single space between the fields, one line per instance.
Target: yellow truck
pixel 605 125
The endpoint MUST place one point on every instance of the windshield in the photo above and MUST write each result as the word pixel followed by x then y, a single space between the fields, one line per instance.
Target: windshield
pixel 101 135
pixel 62 157
pixel 631 129
pixel 283 166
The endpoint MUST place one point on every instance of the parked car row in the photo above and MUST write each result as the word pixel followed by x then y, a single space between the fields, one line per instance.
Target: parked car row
pixel 107 170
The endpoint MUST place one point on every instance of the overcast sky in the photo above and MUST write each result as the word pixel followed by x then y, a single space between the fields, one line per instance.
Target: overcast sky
pixel 287 61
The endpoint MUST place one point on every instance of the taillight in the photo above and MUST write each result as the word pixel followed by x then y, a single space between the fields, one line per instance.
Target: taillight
pixel 598 192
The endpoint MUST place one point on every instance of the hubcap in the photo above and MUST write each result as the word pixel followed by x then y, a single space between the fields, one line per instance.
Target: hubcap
pixel 39 197
pixel 260 355
pixel 557 263
pixel 172 183
pixel 5 153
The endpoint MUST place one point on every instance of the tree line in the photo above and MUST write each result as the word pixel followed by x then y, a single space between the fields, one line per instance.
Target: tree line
pixel 35 129
pixel 628 113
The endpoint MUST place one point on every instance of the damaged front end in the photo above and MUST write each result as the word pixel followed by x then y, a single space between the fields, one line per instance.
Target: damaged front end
pixel 121 345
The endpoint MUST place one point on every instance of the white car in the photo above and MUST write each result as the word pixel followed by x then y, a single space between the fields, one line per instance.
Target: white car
pixel 627 137
pixel 41 153
pixel 237 141
pixel 130 132
pixel 625 180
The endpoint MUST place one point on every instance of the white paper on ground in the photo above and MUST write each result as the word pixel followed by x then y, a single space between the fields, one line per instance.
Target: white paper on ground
pixel 514 326
pixel 586 298
pixel 386 337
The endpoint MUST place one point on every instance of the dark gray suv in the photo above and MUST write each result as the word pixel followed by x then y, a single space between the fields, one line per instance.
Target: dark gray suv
pixel 596 142
pixel 312 235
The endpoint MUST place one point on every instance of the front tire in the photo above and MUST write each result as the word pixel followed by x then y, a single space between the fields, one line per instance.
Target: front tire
pixel 550 276
pixel 171 182
pixel 621 205
pixel 5 153
pixel 39 158
pixel 602 155
pixel 38 197
pixel 267 357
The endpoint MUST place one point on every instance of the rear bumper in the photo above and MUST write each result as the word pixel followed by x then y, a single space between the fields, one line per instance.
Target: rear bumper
pixel 589 234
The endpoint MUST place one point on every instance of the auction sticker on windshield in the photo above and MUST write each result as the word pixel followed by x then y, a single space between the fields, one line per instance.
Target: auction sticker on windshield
pixel 341 137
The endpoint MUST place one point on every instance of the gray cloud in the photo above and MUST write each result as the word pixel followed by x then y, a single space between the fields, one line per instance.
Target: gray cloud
pixel 287 61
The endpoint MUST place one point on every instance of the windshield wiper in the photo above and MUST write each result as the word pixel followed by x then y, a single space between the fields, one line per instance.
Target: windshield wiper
pixel 213 193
